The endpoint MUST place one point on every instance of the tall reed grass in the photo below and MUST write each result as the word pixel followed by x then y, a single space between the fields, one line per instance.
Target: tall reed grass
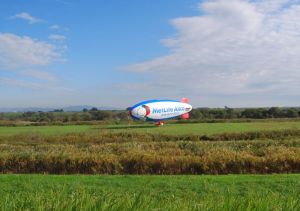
pixel 136 153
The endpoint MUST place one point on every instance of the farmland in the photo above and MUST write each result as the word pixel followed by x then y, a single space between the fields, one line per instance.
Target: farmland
pixel 170 129
pixel 100 166
pixel 231 192
pixel 205 148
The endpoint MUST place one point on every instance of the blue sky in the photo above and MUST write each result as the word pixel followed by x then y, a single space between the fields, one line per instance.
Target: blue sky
pixel 114 53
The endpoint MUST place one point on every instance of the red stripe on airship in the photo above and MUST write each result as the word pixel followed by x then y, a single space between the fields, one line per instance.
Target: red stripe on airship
pixel 148 110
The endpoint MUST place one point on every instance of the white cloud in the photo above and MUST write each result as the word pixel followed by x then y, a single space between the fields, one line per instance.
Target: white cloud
pixel 55 26
pixel 26 58
pixel 232 48
pixel 58 28
pixel 21 52
pixel 57 37
pixel 27 17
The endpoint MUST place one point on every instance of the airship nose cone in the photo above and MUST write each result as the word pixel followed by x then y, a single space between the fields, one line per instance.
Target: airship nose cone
pixel 141 112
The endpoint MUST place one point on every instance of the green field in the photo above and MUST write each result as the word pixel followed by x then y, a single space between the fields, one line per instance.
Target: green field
pixel 210 128
pixel 178 129
pixel 41 192
pixel 45 130
pixel 194 148
pixel 184 150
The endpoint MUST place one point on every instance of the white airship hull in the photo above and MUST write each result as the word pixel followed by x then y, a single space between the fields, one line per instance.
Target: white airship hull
pixel 158 110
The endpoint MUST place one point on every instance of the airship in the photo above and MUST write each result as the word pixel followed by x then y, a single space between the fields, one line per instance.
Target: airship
pixel 160 110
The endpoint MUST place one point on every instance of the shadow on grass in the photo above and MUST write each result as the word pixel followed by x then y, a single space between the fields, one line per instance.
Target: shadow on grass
pixel 129 127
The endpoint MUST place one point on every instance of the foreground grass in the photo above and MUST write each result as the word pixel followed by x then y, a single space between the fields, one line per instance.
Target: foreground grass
pixel 175 129
pixel 41 192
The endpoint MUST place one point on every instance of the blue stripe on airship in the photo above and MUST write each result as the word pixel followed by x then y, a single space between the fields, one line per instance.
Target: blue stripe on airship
pixel 152 101
pixel 157 120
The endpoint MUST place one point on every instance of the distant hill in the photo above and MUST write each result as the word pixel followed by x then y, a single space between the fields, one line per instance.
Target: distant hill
pixel 68 108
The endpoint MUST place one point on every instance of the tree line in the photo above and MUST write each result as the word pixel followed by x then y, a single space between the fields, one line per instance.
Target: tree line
pixel 94 114
pixel 246 113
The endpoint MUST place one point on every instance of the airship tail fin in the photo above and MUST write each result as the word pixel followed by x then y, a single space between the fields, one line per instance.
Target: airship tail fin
pixel 184 100
pixel 185 116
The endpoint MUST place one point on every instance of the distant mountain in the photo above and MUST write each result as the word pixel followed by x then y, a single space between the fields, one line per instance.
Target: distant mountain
pixel 68 108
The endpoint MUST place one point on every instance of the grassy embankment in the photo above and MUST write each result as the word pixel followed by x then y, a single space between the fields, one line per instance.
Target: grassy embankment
pixel 243 192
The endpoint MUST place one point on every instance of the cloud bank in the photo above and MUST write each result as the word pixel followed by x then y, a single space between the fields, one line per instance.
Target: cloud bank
pixel 27 57
pixel 22 51
pixel 57 37
pixel 232 50
pixel 27 17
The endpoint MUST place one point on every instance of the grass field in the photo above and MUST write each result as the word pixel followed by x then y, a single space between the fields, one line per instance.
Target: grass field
pixel 45 130
pixel 198 148
pixel 205 148
pixel 210 128
pixel 177 129
pixel 41 192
